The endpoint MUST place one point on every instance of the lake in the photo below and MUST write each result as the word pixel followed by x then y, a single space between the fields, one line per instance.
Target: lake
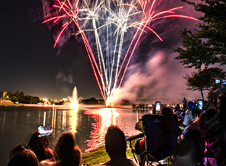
pixel 89 125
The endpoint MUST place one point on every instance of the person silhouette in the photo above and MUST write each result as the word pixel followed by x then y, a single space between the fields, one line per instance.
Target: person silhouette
pixel 115 145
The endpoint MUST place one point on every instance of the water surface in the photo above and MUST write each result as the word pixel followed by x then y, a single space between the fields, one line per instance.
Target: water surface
pixel 89 125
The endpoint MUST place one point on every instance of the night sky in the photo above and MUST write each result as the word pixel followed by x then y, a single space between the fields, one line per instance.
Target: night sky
pixel 29 63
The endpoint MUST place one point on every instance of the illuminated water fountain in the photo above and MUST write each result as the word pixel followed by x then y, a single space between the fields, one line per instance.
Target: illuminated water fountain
pixel 74 100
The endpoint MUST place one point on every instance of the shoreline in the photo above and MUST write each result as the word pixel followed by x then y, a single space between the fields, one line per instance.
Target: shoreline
pixel 81 106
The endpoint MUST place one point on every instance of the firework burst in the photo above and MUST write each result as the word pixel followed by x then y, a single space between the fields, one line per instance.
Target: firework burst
pixel 110 30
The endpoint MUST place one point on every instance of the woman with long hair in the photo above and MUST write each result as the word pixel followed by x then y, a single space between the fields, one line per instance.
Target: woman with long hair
pixel 67 151
pixel 168 123
pixel 40 146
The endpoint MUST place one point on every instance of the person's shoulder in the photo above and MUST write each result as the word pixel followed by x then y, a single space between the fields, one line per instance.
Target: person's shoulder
pixel 132 163
pixel 76 153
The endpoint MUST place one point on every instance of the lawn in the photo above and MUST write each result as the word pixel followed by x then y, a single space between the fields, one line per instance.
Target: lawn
pixel 99 156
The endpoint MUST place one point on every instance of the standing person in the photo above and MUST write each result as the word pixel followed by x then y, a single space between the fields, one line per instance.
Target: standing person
pixel 154 111
pixel 177 110
pixel 115 145
pixel 188 118
pixel 184 104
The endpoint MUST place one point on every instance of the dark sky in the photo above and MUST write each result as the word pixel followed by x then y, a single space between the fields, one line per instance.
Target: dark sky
pixel 29 63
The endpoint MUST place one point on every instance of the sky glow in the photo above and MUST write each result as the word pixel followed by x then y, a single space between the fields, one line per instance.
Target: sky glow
pixel 116 28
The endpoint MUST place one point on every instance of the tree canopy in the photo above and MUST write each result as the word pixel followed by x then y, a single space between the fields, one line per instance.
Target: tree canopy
pixel 20 97
pixel 206 45
pixel 203 79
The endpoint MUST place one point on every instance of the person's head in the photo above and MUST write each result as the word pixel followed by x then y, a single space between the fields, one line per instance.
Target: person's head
pixel 25 157
pixel 210 112
pixel 202 119
pixel 37 145
pixel 221 102
pixel 115 142
pixel 16 149
pixel 168 121
pixel 65 144
pixel 197 111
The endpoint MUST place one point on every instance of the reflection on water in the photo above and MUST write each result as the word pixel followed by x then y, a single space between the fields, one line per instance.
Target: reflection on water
pixel 3 124
pixel 103 118
pixel 89 125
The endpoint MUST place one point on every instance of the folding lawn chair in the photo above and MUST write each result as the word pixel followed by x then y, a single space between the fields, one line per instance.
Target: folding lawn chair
pixel 158 145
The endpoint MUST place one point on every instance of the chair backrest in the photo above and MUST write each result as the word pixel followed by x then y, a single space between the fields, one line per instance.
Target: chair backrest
pixel 157 138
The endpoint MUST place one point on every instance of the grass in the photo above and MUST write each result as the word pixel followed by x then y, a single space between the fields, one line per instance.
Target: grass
pixel 99 156
pixel 10 104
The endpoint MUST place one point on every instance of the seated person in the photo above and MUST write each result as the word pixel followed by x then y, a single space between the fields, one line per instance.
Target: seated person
pixel 115 145
pixel 198 124
pixel 190 150
pixel 210 112
pixel 67 152
pixel 217 126
pixel 24 157
pixel 40 146
pixel 16 149
pixel 168 127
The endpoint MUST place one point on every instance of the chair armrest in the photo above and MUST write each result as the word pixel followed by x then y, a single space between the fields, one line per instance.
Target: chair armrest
pixel 133 137
pixel 139 125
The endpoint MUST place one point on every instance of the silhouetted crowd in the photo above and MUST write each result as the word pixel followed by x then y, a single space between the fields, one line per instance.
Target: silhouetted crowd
pixel 65 151
pixel 203 140
pixel 201 143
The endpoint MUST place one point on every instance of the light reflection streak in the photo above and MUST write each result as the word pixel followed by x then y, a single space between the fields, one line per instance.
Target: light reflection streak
pixel 3 124
pixel 73 120
pixel 15 117
pixel 64 120
pixel 103 118
pixel 44 119
pixel 39 117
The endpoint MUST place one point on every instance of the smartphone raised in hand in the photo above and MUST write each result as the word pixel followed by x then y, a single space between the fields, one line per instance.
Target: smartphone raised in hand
pixel 44 130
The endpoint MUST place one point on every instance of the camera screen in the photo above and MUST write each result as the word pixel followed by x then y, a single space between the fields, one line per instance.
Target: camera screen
pixel 200 104
pixel 223 82
pixel 217 81
pixel 44 130
pixel 158 106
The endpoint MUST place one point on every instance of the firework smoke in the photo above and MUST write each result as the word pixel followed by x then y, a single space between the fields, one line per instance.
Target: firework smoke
pixel 110 30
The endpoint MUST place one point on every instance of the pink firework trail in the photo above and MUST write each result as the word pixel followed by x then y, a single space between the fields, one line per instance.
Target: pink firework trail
pixel 110 30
